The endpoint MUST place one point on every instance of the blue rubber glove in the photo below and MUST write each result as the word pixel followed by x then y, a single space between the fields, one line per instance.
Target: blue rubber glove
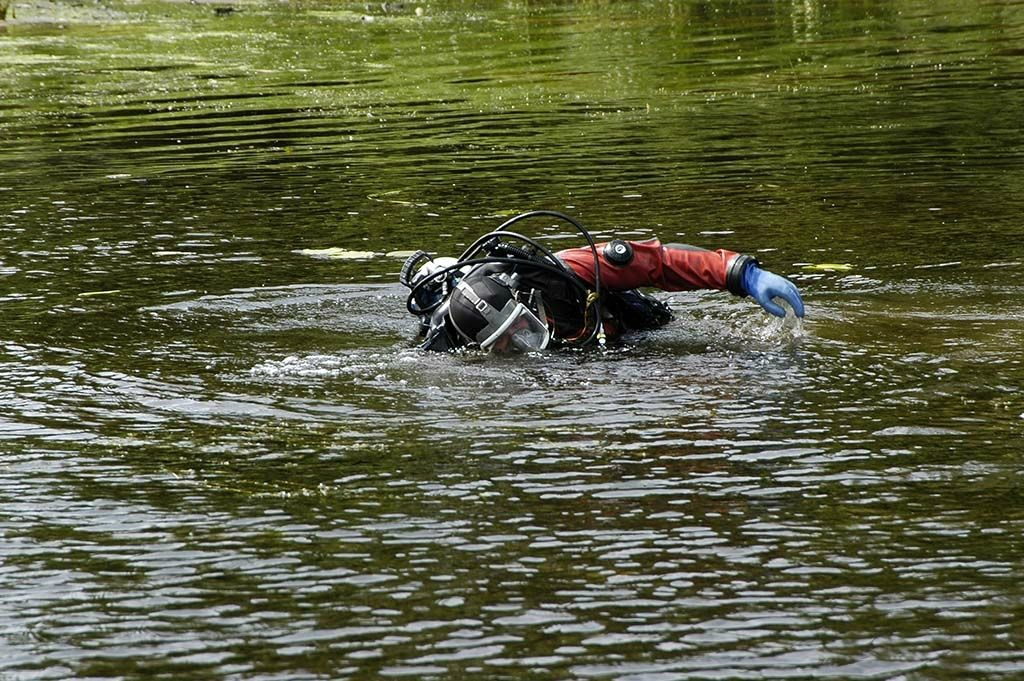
pixel 762 286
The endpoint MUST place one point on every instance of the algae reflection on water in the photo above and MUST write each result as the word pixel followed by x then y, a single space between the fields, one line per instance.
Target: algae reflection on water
pixel 220 457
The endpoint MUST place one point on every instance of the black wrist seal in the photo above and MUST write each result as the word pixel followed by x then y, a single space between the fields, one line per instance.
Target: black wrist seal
pixel 734 275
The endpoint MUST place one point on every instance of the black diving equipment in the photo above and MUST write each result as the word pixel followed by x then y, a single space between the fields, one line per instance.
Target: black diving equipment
pixel 435 293
pixel 618 252
pixel 486 310
pixel 428 279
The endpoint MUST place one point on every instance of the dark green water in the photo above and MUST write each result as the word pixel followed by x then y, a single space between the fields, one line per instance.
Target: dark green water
pixel 220 458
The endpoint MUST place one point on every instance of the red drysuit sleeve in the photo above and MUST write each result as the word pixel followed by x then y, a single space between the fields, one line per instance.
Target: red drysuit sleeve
pixel 670 268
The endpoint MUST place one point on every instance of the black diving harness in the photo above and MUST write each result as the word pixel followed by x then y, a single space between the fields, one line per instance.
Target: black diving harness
pixel 500 252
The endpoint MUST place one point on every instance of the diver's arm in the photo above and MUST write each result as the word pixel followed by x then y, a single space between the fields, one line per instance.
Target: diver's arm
pixel 670 268
pixel 685 268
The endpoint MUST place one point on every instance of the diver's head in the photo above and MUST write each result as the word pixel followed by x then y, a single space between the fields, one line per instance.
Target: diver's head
pixel 485 311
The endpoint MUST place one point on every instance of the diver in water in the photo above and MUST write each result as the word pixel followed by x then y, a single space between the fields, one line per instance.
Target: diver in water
pixel 508 293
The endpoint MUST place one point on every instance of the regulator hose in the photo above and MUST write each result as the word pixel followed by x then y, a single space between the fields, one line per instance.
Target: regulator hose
pixel 411 299
pixel 599 323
